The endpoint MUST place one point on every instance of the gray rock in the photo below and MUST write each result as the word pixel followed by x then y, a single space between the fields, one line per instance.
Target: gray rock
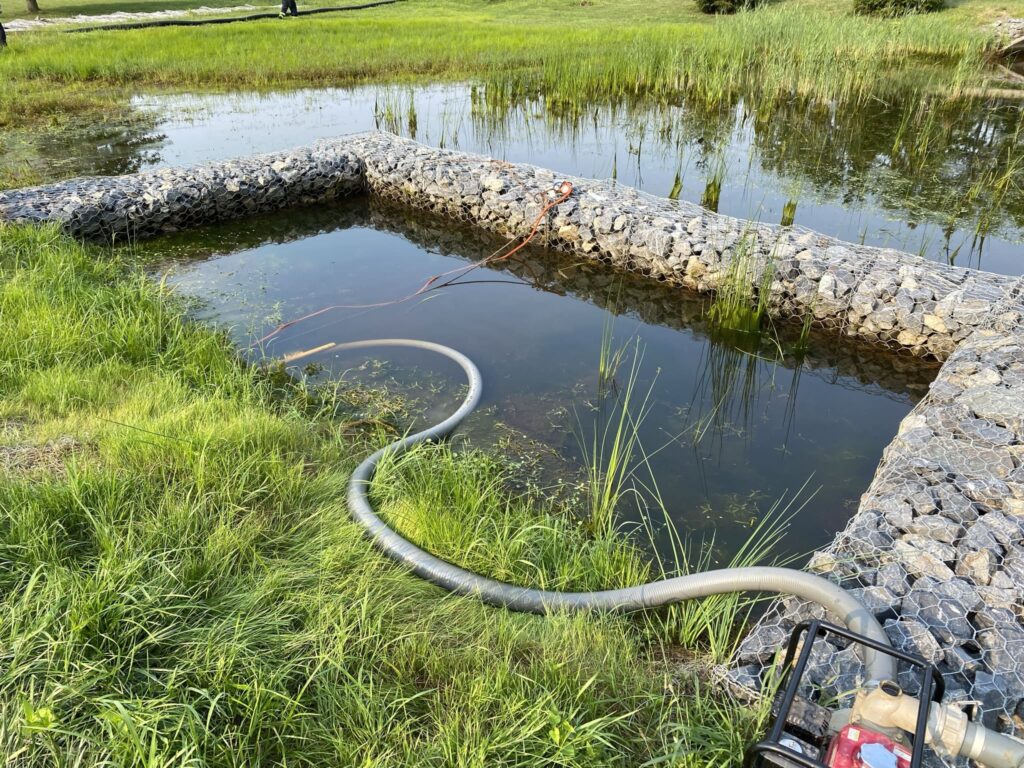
pixel 924 562
pixel 944 616
pixel 913 637
pixel 935 528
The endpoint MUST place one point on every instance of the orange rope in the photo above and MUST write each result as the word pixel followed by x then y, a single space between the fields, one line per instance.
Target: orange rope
pixel 565 190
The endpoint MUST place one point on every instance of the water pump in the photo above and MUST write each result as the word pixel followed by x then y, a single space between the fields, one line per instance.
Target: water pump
pixel 883 728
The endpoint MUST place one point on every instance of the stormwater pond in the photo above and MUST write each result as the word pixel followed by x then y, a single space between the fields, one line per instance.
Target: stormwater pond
pixel 730 425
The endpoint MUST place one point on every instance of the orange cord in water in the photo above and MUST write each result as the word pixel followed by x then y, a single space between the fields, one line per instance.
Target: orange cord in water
pixel 563 192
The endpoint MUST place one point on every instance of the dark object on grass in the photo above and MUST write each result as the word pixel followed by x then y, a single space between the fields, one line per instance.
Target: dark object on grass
pixel 3 37
pixel 726 6
pixel 897 7
pixel 289 8
pixel 225 20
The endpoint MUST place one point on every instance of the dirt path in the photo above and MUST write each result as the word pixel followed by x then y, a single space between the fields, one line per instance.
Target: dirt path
pixel 25 25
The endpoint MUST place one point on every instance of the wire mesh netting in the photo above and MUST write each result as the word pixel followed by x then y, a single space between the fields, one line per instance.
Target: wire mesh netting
pixel 936 550
pixel 882 295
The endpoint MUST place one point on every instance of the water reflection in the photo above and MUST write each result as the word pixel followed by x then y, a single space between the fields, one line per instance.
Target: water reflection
pixel 937 177
pixel 732 427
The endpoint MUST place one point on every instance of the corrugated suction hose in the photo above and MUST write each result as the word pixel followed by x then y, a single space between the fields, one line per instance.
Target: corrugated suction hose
pixel 988 747
pixel 643 597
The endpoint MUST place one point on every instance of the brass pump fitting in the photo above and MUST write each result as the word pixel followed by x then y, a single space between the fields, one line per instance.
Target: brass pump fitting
pixel 884 704
pixel 949 731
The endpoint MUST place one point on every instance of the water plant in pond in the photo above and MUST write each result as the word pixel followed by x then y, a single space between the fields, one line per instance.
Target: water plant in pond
pixel 715 625
pixel 677 185
pixel 788 213
pixel 611 445
pixel 712 193
pixel 741 294
pixel 610 358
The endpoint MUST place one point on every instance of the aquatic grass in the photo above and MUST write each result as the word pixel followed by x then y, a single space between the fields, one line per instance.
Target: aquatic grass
pixel 713 187
pixel 611 445
pixel 611 357
pixel 715 624
pixel 788 213
pixel 740 302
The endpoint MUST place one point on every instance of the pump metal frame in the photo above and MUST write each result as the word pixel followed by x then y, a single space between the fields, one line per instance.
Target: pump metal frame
pixel 932 689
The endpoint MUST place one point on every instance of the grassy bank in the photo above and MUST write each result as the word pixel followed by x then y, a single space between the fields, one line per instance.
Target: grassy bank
pixel 571 51
pixel 180 583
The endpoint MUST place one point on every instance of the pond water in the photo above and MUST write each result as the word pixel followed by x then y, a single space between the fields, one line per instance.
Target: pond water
pixel 944 179
pixel 732 426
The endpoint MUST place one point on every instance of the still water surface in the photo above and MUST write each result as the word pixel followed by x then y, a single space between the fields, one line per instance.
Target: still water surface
pixel 731 429
pixel 943 180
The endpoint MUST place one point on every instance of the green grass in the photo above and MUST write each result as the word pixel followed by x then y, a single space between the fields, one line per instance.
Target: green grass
pixel 186 588
pixel 61 8
pixel 573 52
pixel 534 10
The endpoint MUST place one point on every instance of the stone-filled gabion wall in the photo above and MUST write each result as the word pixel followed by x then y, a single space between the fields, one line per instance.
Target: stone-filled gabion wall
pixel 171 199
pixel 882 295
pixel 937 546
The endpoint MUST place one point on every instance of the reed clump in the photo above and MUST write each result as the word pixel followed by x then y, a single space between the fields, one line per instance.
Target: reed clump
pixel 741 297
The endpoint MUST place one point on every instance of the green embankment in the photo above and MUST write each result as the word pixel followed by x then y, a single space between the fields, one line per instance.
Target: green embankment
pixel 180 583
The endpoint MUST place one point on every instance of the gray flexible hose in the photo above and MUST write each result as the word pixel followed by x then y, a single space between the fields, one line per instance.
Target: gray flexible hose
pixel 646 596
pixel 988 747
pixel 991 748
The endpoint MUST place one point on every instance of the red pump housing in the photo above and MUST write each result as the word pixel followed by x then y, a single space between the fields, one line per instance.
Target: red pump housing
pixel 858 747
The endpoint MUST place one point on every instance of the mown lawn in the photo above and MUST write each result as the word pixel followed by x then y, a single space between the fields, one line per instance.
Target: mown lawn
pixel 180 583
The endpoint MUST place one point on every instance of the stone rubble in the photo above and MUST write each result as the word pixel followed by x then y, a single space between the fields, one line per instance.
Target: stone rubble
pixel 877 294
pixel 936 549
pixel 139 205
